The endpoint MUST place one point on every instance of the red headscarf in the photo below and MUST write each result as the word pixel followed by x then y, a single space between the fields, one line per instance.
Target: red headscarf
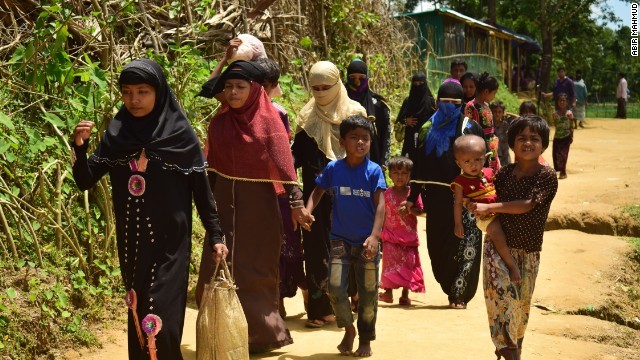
pixel 250 143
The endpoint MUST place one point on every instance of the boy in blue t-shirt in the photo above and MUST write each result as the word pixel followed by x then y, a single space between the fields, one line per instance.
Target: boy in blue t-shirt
pixel 357 185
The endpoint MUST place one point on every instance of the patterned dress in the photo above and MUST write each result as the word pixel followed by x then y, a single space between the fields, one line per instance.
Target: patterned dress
pixel 508 305
pixel 400 259
pixel 482 114
pixel 562 140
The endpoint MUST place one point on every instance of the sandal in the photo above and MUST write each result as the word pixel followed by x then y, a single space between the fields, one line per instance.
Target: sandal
pixel 384 298
pixel 404 301
pixel 461 305
pixel 315 324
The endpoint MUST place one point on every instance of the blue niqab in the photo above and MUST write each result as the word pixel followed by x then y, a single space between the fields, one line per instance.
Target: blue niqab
pixel 444 123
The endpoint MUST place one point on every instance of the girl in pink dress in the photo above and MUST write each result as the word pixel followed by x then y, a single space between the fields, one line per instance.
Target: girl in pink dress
pixel 400 260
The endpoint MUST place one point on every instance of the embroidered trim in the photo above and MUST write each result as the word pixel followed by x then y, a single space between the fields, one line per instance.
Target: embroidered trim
pixel 150 155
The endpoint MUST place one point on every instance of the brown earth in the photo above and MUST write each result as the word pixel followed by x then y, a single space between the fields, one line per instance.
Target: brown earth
pixel 579 270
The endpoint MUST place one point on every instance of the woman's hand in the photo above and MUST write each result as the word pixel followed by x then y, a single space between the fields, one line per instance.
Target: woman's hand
pixel 232 48
pixel 82 132
pixel 411 121
pixel 458 230
pixel 301 216
pixel 220 252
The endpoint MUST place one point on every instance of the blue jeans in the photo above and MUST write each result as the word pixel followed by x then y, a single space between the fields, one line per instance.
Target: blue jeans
pixel 343 255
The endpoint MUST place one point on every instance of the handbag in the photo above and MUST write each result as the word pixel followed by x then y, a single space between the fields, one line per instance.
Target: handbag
pixel 222 332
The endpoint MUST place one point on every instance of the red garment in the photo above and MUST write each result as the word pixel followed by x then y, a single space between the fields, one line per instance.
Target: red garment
pixel 477 188
pixel 251 143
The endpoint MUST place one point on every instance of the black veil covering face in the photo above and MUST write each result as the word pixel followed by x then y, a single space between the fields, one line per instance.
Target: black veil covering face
pixel 165 133
pixel 420 104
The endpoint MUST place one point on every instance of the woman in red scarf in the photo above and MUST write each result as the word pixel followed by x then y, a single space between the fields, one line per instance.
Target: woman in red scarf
pixel 250 164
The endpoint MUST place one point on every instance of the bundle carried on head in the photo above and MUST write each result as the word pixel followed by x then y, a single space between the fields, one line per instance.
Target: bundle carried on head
pixel 250 50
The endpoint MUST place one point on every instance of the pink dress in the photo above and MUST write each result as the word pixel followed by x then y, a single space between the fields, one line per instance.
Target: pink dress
pixel 400 259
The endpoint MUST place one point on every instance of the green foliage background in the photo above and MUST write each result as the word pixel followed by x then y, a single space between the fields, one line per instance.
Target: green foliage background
pixel 59 65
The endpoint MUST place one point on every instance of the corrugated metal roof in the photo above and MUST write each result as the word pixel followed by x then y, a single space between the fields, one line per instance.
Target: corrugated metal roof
pixel 475 22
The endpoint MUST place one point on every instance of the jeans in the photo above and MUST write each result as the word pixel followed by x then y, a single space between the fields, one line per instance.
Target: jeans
pixel 343 255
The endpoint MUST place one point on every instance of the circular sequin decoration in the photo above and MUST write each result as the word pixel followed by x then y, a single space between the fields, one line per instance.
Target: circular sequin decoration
pixel 136 185
pixel 151 324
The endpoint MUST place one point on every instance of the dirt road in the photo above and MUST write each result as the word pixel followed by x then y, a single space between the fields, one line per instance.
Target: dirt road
pixel 577 271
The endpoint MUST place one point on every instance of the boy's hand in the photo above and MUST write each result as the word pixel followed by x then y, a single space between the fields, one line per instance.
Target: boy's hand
pixel 82 132
pixel 302 217
pixel 371 247
pixel 458 230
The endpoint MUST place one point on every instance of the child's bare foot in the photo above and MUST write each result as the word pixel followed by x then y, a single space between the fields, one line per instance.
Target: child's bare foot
pixel 346 346
pixel 514 275
pixel 386 296
pixel 364 349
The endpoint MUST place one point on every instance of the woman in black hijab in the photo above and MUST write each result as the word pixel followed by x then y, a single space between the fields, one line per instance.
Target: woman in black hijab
pixel 455 261
pixel 377 110
pixel 156 166
pixel 415 111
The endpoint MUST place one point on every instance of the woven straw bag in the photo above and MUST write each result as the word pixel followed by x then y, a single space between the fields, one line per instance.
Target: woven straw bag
pixel 221 328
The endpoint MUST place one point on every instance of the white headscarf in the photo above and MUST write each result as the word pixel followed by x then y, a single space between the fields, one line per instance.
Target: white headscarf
pixel 320 118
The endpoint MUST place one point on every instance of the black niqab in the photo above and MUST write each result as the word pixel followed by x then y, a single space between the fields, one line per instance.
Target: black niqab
pixel 165 133
pixel 420 103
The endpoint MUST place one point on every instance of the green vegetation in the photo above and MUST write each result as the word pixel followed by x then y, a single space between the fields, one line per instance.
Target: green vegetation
pixel 60 63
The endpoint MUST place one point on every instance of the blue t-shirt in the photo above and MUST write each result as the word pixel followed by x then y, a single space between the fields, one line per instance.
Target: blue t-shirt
pixel 353 206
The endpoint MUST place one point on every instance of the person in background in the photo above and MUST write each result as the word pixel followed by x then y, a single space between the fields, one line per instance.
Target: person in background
pixel 148 148
pixel 469 82
pixel 478 109
pixel 377 110
pixel 579 111
pixel 458 67
pixel 416 109
pixel 501 125
pixel 621 97
pixel 563 136
pixel 563 85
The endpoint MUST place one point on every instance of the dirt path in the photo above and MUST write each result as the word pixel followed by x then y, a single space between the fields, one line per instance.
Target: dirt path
pixel 577 271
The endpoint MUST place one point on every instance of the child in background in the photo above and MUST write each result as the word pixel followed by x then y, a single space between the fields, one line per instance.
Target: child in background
pixel 528 108
pixel 358 185
pixel 400 259
pixel 563 137
pixel 525 191
pixel 478 110
pixel 501 125
pixel 476 183
pixel 469 82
